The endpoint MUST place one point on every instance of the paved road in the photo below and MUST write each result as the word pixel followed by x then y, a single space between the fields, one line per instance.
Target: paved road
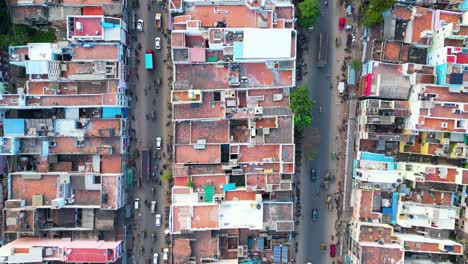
pixel 154 99
pixel 313 233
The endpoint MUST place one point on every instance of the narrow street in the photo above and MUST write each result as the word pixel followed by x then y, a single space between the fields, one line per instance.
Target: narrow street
pixel 150 119
pixel 327 135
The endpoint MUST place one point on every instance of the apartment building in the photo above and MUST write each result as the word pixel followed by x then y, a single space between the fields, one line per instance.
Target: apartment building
pixel 64 133
pixel 234 152
pixel 409 176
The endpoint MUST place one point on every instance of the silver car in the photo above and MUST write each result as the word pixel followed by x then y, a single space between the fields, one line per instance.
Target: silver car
pixel 140 25
pixel 158 220
pixel 157 43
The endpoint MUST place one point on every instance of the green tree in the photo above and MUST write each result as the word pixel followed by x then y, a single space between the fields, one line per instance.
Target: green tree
pixel 373 14
pixel 301 106
pixel 167 175
pixel 356 64
pixel 309 11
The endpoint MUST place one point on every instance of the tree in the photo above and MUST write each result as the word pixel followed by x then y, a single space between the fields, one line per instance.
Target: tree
pixel 301 106
pixel 167 175
pixel 373 14
pixel 309 11
pixel 355 64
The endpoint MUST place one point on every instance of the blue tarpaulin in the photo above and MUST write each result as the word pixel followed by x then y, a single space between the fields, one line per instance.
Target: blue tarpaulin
pixel 284 254
pixel 111 112
pixel 276 254
pixel 13 127
pixel 229 187
pixel 238 50
pixel 260 243
pixel 394 207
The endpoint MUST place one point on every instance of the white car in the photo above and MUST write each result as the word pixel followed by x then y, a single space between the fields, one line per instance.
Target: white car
pixel 153 207
pixel 158 143
pixel 157 43
pixel 155 258
pixel 158 220
pixel 140 25
pixel 166 254
pixel 137 203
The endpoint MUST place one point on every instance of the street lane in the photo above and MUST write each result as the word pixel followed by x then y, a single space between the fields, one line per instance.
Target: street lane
pixel 321 140
pixel 149 98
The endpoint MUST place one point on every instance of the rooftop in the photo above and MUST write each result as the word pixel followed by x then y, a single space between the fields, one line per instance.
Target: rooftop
pixel 423 19
pixel 258 75
pixel 424 215
pixel 418 243
pixel 32 249
pixel 235 16
pixel 373 253
pixel 97 52
pixel 278 216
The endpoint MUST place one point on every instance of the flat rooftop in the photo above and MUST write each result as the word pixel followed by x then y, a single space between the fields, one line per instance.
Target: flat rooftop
pixel 373 253
pixel 233 215
pixel 257 74
pixel 207 109
pixel 24 187
pixel 85 26
pixel 235 16
pixel 90 145
pixel 422 20
pixel 97 52
pixel 278 216
pixel 188 154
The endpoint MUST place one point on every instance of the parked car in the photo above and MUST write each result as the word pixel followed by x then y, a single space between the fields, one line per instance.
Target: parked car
pixel 155 258
pixel 140 24
pixel 157 43
pixel 158 220
pixel 348 27
pixel 314 215
pixel 341 23
pixel 158 143
pixel 137 203
pixel 153 207
pixel 332 250
pixel 166 254
pixel 313 175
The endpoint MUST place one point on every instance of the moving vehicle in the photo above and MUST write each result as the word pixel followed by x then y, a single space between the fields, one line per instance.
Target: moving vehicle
pixel 341 23
pixel 158 143
pixel 158 220
pixel 166 254
pixel 157 43
pixel 332 250
pixel 329 202
pixel 145 164
pixel 322 57
pixel 313 175
pixel 341 87
pixel 157 19
pixel 323 247
pixel 149 59
pixel 140 24
pixel 137 203
pixel 155 258
pixel 314 215
pixel 153 207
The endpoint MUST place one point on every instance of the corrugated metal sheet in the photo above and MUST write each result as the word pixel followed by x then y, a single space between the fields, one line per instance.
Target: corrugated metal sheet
pixel 276 254
pixel 284 254
pixel 260 243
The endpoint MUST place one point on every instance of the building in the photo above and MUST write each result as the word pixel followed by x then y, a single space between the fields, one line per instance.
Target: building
pixel 64 132
pixel 234 152
pixel 33 250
